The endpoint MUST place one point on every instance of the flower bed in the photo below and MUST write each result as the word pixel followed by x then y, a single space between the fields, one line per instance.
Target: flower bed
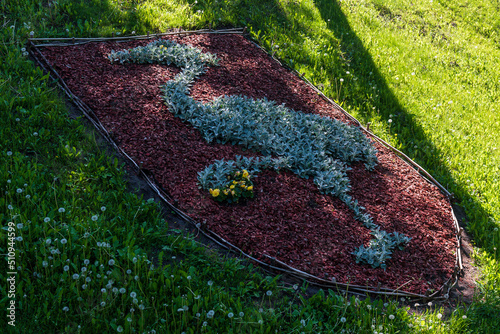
pixel 289 218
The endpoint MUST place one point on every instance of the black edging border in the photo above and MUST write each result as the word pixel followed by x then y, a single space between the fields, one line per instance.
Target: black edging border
pixel 276 265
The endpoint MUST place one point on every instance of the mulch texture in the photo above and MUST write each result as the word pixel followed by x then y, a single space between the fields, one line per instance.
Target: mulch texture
pixel 288 219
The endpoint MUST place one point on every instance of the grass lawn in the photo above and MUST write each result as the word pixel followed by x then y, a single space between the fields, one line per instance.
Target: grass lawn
pixel 425 75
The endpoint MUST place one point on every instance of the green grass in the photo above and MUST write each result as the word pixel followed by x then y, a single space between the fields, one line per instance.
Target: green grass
pixel 397 60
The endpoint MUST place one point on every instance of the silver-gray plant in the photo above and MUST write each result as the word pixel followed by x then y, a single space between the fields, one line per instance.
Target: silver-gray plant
pixel 308 144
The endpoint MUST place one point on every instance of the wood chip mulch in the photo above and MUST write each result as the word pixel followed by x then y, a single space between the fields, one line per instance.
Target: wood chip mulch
pixel 288 219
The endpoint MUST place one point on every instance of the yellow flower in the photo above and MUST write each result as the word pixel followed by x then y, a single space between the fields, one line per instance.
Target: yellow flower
pixel 215 192
pixel 232 186
pixel 245 173
pixel 225 192
pixel 237 173
pixel 234 182
pixel 242 185
pixel 232 192
pixel 250 188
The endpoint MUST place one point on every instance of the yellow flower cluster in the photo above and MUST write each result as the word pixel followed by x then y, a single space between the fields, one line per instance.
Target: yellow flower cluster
pixel 239 185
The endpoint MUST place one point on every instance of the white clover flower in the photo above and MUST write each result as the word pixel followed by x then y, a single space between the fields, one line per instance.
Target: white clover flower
pixel 28 196
pixel 241 314
pixel 103 290
pixel 134 260
pixel 88 279
pixel 67 30
pixel 45 263
pixel 65 309
pixel 269 292
pixel 210 314
pixel 19 190
pixel 230 315
pixel 64 241
pixel 115 290
pixel 136 278
pixel 119 329
pixel 66 268
pixel 99 244
pixel 133 294
pixel 180 310
pixel 343 319
pixel 188 278
pixel 390 121
pixel 464 317
pixel 103 304
pixel 141 307
pixel 386 304
pixel 19 238
pixel 84 286
pixel 108 272
pixel 61 210
pixel 210 283
pixel 103 208
pixel 133 32
pixel 260 321
pixel 9 181
pixel 84 269
pixel 439 316
pixel 10 207
pixel 122 290
pixel 32 33
pixel 391 316
pixel 135 301
pixel 19 226
pixel 94 218
pixel 35 134
pixel 429 303
pixel 111 262
pixel 341 80
pixel 46 219
pixel 129 319
pixel 129 271
pixel 303 323
pixel 86 262
pixel 76 276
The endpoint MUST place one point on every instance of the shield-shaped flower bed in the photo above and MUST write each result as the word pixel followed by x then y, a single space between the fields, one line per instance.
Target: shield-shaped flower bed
pixel 249 150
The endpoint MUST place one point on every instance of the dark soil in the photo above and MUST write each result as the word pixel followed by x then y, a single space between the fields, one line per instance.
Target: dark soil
pixel 288 219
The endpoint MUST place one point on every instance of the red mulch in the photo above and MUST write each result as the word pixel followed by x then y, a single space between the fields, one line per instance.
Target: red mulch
pixel 289 218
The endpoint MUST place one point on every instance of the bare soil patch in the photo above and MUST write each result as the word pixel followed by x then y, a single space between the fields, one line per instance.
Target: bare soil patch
pixel 288 219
